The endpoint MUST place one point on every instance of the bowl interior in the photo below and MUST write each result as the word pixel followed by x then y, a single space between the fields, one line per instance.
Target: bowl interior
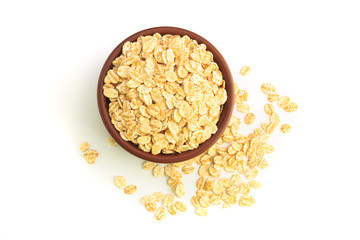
pixel 103 102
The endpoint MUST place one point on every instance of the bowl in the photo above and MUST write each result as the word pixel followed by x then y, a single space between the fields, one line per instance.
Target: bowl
pixel 103 102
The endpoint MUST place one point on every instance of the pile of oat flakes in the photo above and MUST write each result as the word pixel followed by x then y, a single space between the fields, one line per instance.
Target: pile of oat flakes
pixel 239 155
pixel 166 93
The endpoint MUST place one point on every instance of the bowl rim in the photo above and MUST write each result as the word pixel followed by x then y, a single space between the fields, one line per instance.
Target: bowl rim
pixel 225 115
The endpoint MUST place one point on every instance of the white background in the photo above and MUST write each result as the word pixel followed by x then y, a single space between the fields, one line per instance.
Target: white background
pixel 51 54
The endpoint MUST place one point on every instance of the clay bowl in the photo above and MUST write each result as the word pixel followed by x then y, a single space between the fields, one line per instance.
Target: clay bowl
pixel 225 116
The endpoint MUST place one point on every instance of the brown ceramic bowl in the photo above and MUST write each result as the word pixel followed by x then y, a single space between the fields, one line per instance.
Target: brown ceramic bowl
pixel 103 102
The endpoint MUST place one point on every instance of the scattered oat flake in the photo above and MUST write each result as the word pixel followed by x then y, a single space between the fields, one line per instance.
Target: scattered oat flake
pixel 214 172
pixel 147 198
pixel 130 189
pixel 147 165
pixel 90 156
pixel 180 206
pixel 268 88
pixel 160 213
pixel 226 205
pixel 283 101
pixel 168 170
pixel 236 179
pixel 120 182
pixel 195 201
pixel 112 142
pixel 273 97
pixel 172 182
pixel 200 183
pixel 269 108
pixel 264 126
pixel 241 96
pixel 243 107
pixel 203 171
pixel 188 168
pixel 168 200
pixel 254 184
pixel 84 146
pixel 180 190
pixel 246 201
pixel 172 209
pixel 291 107
pixel 245 70
pixel 159 196
pixel 285 128
pixel 204 202
pixel 150 206
pixel 251 174
pixel 209 183
pixel 249 118
pixel 158 171
pixel 201 211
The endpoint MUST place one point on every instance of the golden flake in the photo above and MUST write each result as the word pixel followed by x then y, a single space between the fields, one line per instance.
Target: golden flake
pixel 84 146
pixel 130 189
pixel 249 118
pixel 172 209
pixel 245 70
pixel 158 196
pixel 150 206
pixel 203 171
pixel 204 202
pixel 273 97
pixel 285 128
pixel 283 101
pixel 241 96
pixel 168 200
pixel 254 184
pixel 291 107
pixel 195 201
pixel 112 142
pixel 246 201
pixel 235 179
pixel 209 184
pixel 180 206
pixel 243 107
pixel 147 198
pixel 160 213
pixel 147 165
pixel 201 211
pixel 268 88
pixel 214 172
pixel 158 171
pixel 269 108
pixel 90 156
pixel 120 182
pixel 251 174
pixel 169 169
pixel 180 190
pixel 188 168
pixel 200 183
